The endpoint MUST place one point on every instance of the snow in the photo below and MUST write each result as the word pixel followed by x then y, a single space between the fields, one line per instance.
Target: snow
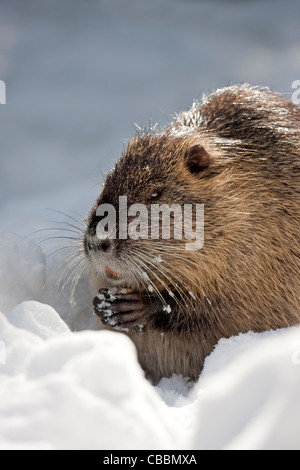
pixel 261 383
pixel 25 278
pixel 85 390
pixel 78 75
pixel 82 390
pixel 167 309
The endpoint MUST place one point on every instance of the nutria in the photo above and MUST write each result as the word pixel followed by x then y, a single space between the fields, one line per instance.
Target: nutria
pixel 238 153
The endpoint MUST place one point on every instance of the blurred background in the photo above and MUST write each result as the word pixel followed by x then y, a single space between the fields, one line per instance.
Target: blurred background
pixel 80 73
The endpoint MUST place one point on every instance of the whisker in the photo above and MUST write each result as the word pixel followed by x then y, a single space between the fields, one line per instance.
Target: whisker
pixel 147 268
pixel 70 258
pixel 51 230
pixel 57 250
pixel 81 269
pixel 171 281
pixel 146 282
pixel 79 228
pixel 67 215
pixel 168 249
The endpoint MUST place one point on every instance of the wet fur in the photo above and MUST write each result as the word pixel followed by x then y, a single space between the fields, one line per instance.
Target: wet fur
pixel 246 277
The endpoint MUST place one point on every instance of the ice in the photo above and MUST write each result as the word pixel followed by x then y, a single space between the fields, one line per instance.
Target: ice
pixel 114 290
pixel 103 305
pixel 167 308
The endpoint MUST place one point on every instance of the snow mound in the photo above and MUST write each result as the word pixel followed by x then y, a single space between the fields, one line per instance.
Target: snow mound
pixel 85 390
pixel 248 396
pixel 40 319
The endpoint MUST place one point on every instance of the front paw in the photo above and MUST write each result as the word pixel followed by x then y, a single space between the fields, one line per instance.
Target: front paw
pixel 122 310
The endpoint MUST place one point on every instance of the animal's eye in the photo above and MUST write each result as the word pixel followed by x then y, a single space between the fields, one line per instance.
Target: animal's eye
pixel 155 194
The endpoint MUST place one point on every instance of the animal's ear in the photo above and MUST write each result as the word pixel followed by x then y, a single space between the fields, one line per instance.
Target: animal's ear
pixel 197 160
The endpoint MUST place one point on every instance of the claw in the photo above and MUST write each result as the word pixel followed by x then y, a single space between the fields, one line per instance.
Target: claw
pixel 119 309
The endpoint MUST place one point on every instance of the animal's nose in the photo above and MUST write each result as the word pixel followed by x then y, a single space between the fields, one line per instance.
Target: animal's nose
pixel 93 243
pixel 105 245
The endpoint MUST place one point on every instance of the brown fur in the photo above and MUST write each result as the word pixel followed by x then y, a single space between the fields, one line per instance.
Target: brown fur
pixel 246 277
